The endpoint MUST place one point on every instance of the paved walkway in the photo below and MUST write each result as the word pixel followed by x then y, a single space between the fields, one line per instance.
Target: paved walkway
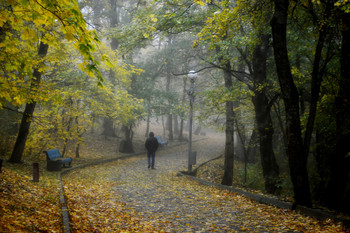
pixel 145 200
pixel 157 193
pixel 178 204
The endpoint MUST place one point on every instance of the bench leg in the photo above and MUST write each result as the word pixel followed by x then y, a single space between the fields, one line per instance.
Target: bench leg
pixel 54 165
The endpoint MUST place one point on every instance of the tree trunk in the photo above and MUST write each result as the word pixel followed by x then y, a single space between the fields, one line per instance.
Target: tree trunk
pixel 263 118
pixel 176 124
pixel 170 116
pixel 108 128
pixel 283 141
pixel 126 144
pixel 340 162
pixel 168 85
pixel 316 80
pixel 79 141
pixel 198 130
pixel 163 124
pixel 170 127
pixel 229 146
pixel 242 140
pixel 252 146
pixel 295 150
pixel 77 151
pixel 114 17
pixel 181 137
pixel 66 140
pixel 108 123
pixel 148 120
pixel 23 132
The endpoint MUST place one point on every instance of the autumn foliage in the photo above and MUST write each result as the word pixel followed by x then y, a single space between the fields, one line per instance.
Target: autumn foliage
pixel 114 198
pixel 94 208
pixel 124 197
pixel 28 206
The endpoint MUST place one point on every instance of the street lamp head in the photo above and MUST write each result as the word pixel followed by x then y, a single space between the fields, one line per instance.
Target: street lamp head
pixel 192 75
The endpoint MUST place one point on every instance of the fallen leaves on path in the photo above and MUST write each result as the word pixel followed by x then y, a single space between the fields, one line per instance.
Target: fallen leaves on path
pixel 27 206
pixel 94 208
pixel 125 196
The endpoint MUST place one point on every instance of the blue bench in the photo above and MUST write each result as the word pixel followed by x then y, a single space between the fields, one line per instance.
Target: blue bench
pixel 55 161
pixel 162 142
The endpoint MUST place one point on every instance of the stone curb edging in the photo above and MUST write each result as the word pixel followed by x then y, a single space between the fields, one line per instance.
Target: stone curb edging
pixel 317 213
pixel 64 209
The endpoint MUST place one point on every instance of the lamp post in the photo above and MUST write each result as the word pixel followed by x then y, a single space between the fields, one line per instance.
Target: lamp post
pixel 192 75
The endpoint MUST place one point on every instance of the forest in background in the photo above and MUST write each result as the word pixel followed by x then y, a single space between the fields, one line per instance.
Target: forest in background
pixel 274 75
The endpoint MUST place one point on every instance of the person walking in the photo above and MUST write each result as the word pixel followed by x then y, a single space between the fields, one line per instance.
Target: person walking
pixel 151 145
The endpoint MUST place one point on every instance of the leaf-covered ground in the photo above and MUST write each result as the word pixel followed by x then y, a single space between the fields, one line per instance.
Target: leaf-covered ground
pixel 27 206
pixel 126 196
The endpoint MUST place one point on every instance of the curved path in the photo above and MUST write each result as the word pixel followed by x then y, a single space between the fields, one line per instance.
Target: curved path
pixel 126 196
pixel 159 193
pixel 178 204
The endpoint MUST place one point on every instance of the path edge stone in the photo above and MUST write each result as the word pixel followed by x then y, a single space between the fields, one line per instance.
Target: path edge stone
pixel 64 208
pixel 311 212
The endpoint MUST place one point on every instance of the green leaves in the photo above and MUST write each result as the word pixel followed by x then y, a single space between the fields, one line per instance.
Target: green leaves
pixel 24 24
pixel 343 5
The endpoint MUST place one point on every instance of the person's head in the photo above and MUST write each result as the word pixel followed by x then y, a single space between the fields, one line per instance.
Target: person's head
pixel 151 134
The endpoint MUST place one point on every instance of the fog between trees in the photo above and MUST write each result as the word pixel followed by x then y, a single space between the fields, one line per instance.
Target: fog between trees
pixel 272 75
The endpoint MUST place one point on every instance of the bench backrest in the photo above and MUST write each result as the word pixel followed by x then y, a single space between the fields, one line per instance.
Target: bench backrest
pixel 159 139
pixel 53 154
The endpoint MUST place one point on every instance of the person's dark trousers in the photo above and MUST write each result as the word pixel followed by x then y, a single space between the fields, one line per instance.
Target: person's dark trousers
pixel 149 156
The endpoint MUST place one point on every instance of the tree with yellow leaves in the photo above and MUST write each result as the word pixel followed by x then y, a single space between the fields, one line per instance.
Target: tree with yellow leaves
pixel 27 29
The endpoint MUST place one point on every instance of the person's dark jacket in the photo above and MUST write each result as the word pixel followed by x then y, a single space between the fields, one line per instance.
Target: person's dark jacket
pixel 151 143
